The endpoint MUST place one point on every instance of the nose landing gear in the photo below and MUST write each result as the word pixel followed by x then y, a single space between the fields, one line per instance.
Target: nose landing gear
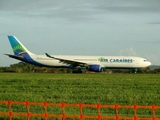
pixel 135 70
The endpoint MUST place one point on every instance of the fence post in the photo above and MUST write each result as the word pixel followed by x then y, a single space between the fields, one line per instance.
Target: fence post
pixel 28 113
pixel 63 113
pixel 153 112
pixel 98 108
pixel 135 108
pixel 10 109
pixel 45 110
pixel 81 114
pixel 116 107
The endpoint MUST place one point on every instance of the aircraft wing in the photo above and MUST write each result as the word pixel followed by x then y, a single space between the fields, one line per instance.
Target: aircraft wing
pixel 70 62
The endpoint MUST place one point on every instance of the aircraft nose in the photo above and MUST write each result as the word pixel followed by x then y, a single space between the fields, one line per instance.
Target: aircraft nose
pixel 149 63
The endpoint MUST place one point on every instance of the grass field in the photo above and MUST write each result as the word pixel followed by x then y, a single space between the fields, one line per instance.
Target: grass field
pixel 124 89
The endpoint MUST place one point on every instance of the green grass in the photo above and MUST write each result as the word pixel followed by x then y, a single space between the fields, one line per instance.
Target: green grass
pixel 123 89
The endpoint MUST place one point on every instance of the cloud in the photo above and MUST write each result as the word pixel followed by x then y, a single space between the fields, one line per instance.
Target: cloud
pixel 130 6
pixel 154 23
pixel 128 52
pixel 121 23
pixel 79 10
pixel 149 41
pixel 67 10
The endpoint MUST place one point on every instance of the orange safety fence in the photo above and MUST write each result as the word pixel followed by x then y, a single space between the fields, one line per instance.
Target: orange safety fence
pixel 81 115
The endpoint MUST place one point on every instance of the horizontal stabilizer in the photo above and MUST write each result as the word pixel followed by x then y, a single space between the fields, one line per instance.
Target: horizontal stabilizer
pixel 15 56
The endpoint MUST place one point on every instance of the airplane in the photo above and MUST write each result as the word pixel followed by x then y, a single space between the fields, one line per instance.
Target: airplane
pixel 77 63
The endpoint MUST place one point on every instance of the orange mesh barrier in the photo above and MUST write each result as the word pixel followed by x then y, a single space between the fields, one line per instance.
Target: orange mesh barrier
pixel 28 113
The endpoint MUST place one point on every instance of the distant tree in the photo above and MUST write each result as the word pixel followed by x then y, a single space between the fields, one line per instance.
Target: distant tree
pixel 157 71
pixel 148 70
pixel 109 71
pixel 23 67
pixel 6 69
pixel 69 70
pixel 145 70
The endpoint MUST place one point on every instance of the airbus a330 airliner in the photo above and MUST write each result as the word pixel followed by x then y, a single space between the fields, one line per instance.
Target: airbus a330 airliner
pixel 77 63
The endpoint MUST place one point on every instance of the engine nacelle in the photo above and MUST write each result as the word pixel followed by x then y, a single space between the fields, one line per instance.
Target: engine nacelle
pixel 95 68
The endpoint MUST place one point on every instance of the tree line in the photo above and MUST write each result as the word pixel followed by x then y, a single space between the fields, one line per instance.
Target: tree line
pixel 22 67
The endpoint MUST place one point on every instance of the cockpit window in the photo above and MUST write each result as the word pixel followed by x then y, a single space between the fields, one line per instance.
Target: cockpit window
pixel 145 60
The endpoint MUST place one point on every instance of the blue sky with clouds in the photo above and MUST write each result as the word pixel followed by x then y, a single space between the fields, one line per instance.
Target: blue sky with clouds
pixel 82 27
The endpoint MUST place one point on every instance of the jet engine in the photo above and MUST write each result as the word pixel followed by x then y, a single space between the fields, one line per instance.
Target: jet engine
pixel 95 68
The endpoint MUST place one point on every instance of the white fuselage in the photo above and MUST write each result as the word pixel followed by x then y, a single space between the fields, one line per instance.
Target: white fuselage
pixel 104 61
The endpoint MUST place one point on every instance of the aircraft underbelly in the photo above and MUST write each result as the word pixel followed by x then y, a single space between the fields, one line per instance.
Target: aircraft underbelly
pixel 52 63
pixel 119 65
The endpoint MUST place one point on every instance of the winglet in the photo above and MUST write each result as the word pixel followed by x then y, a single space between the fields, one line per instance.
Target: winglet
pixel 49 55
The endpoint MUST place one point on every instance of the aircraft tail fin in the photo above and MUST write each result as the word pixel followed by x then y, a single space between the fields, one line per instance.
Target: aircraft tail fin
pixel 17 46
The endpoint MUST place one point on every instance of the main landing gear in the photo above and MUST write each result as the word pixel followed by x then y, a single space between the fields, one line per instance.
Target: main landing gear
pixel 77 71
pixel 135 70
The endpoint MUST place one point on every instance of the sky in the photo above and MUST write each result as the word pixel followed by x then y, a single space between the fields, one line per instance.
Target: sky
pixel 82 27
